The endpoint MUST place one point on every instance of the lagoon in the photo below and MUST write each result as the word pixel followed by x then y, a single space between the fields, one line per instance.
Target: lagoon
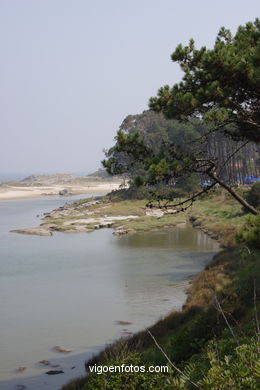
pixel 70 290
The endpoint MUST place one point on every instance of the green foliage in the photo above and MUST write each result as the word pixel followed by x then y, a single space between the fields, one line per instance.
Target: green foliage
pixel 141 143
pixel 189 184
pixel 138 181
pixel 127 381
pixel 221 84
pixel 223 366
pixel 249 234
pixel 131 193
pixel 239 369
pixel 253 196
pixel 197 339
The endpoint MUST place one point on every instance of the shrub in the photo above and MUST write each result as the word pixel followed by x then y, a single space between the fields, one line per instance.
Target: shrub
pixel 131 380
pixel 239 369
pixel 138 181
pixel 253 196
pixel 249 234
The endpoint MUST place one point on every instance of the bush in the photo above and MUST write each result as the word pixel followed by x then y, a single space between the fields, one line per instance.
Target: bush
pixel 239 369
pixel 249 234
pixel 253 196
pixel 138 181
pixel 136 379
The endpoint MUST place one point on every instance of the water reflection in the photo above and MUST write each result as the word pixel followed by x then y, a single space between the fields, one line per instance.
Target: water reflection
pixel 70 290
pixel 179 238
pixel 155 267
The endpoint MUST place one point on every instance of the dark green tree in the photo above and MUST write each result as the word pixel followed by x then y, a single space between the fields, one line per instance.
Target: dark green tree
pixel 220 84
pixel 168 164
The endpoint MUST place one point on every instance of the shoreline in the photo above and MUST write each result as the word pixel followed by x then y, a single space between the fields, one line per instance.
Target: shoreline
pixel 214 275
pixel 27 192
pixel 216 270
pixel 131 216
pixel 139 341
pixel 83 359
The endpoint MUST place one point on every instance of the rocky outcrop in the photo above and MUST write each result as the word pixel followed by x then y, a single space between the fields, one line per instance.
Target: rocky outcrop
pixel 38 231
pixel 120 232
pixel 64 192
pixel 154 212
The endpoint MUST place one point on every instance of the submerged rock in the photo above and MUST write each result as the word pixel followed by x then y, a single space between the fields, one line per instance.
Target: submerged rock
pixel 120 232
pixel 44 362
pixel 54 372
pixel 38 231
pixel 21 369
pixel 60 349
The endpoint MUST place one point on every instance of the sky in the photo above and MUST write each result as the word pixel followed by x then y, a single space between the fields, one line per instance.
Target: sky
pixel 72 70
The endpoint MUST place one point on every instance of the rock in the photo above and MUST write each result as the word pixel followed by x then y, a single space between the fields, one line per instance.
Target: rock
pixel 21 369
pixel 60 349
pixel 44 362
pixel 123 323
pixel 38 231
pixel 171 211
pixel 154 212
pixel 120 232
pixel 64 192
pixel 54 372
pixel 103 225
pixel 20 387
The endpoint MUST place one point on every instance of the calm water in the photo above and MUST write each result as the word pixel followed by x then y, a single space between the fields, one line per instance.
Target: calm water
pixel 71 289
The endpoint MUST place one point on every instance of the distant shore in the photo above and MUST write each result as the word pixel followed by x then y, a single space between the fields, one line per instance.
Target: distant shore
pixel 9 192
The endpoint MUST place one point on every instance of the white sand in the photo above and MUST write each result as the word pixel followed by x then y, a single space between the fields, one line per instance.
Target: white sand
pixel 16 192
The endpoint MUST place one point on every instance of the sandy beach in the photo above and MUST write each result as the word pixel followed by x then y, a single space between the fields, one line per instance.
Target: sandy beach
pixel 9 192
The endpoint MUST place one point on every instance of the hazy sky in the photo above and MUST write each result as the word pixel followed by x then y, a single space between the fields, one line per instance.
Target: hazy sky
pixel 71 70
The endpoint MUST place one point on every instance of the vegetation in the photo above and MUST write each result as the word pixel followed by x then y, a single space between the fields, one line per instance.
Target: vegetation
pixel 250 232
pixel 157 132
pixel 214 339
pixel 169 165
pixel 253 196
pixel 220 89
pixel 213 343
pixel 220 84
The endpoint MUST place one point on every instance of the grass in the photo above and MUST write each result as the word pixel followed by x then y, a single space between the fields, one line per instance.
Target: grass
pixel 218 215
pixel 146 223
pixel 185 335
pixel 119 208
pixel 125 207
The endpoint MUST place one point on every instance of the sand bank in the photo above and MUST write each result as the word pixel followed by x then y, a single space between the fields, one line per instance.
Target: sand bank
pixel 18 192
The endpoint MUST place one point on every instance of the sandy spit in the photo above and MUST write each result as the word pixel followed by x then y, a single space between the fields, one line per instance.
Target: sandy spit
pixel 16 192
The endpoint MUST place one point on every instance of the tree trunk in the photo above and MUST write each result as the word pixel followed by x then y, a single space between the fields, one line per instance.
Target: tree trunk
pixel 239 198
